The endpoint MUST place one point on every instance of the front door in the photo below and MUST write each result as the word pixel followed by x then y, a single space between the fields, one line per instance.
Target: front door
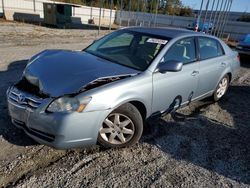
pixel 172 89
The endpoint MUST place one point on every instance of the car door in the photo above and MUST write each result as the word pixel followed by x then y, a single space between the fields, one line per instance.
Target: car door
pixel 211 64
pixel 171 89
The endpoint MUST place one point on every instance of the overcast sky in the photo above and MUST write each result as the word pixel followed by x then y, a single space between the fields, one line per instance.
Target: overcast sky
pixel 238 5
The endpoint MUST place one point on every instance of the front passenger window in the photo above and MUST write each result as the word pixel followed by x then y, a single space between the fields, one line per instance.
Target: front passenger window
pixel 182 51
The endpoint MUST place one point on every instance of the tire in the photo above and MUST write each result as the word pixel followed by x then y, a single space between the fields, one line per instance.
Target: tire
pixel 122 127
pixel 221 88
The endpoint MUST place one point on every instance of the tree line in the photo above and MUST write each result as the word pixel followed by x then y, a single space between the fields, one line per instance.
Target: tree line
pixel 244 18
pixel 168 7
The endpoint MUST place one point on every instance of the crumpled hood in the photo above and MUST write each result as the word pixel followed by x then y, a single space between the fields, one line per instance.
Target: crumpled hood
pixel 60 72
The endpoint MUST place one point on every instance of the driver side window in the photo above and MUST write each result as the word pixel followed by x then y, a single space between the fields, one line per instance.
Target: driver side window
pixel 182 51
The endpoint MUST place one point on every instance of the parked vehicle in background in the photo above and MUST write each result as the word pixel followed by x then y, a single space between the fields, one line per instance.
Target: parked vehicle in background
pixel 104 93
pixel 244 46
pixel 200 26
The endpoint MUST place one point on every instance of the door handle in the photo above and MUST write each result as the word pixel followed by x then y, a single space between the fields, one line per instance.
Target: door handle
pixel 223 64
pixel 194 73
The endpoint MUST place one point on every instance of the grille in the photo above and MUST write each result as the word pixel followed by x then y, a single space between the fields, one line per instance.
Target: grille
pixel 23 100
pixel 25 85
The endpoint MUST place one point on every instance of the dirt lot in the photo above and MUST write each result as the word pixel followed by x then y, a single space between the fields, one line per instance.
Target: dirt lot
pixel 204 145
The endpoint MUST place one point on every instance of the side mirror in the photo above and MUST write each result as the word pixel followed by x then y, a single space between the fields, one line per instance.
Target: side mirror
pixel 170 66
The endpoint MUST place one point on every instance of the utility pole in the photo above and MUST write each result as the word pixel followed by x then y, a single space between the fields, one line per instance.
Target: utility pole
pixel 129 12
pixel 156 12
pixel 144 14
pixel 121 13
pixel 226 19
pixel 34 5
pixel 150 13
pixel 137 12
pixel 218 20
pixel 199 14
pixel 210 18
pixel 223 17
pixel 3 8
pixel 110 16
pixel 100 12
pixel 215 17
pixel 173 6
pixel 91 10
pixel 205 17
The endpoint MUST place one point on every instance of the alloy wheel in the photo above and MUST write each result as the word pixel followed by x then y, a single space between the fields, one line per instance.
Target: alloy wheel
pixel 117 129
pixel 222 87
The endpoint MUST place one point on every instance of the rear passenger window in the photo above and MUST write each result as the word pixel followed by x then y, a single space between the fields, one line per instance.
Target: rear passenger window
pixel 182 51
pixel 209 48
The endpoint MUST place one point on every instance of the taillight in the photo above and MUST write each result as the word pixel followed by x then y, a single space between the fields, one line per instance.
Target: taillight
pixel 238 57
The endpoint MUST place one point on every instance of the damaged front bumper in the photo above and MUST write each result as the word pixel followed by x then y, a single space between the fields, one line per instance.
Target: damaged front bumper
pixel 58 130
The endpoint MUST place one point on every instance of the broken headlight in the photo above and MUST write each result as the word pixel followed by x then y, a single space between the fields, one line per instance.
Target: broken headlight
pixel 68 104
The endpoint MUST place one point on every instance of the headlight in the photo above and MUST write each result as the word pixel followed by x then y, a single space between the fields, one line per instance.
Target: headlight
pixel 68 104
pixel 239 47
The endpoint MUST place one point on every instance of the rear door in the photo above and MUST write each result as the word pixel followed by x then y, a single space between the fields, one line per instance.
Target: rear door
pixel 172 89
pixel 211 64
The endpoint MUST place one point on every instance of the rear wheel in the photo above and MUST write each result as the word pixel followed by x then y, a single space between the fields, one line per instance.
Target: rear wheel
pixel 221 89
pixel 122 127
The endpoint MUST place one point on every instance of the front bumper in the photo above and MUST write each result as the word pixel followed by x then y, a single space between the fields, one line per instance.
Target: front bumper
pixel 58 130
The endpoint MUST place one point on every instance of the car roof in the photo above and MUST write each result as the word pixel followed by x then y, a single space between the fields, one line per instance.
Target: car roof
pixel 163 31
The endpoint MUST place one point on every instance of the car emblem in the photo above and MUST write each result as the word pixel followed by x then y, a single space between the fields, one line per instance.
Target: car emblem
pixel 20 98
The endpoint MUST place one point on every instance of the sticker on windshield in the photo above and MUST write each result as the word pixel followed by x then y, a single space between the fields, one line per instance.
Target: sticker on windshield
pixel 157 41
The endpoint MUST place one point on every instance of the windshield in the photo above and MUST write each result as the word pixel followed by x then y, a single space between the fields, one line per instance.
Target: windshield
pixel 132 49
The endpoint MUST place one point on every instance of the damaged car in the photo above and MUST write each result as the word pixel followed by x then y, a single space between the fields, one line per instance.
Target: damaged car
pixel 104 93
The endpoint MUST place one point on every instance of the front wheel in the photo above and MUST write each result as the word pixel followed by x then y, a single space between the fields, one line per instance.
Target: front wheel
pixel 122 127
pixel 221 88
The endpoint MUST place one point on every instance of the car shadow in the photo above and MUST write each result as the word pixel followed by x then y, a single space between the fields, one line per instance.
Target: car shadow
pixel 199 135
pixel 245 61
pixel 7 130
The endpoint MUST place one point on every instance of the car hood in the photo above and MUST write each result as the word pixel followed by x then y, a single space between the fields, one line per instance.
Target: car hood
pixel 60 72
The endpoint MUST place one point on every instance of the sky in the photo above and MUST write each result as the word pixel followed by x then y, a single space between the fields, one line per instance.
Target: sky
pixel 237 6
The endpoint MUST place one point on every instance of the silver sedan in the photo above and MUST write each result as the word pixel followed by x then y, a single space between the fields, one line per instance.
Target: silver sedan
pixel 105 92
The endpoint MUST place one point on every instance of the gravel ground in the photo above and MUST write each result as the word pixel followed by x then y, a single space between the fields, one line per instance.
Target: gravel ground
pixel 203 145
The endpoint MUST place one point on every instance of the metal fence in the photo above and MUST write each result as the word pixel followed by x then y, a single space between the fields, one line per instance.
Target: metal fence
pixel 212 17
pixel 219 11
pixel 32 10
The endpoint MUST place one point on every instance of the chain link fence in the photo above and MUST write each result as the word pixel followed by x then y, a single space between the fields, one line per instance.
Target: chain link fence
pixel 212 17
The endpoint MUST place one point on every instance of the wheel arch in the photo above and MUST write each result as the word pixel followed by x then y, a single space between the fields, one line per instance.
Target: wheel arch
pixel 141 108
pixel 230 76
pixel 225 72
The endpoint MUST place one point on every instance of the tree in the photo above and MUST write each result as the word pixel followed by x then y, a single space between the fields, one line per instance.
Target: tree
pixel 186 11
pixel 244 18
pixel 169 7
